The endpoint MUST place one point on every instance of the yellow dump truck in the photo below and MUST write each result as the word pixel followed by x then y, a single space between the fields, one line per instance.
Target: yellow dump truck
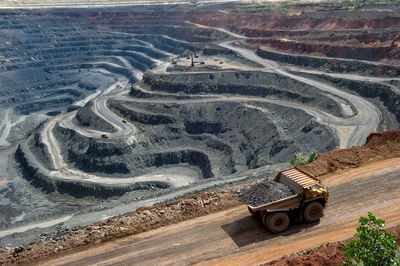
pixel 306 205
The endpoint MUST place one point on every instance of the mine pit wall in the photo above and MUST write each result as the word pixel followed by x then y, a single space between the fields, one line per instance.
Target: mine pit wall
pixel 166 125
pixel 116 157
pixel 243 83
pixel 334 65
pixel 140 116
pixel 91 155
pixel 22 99
pixel 216 50
pixel 211 124
pixel 113 69
pixel 186 32
pixel 52 104
pixel 87 118
pixel 39 149
pixel 389 95
pixel 138 93
pixel 79 188
pixel 339 51
pixel 167 44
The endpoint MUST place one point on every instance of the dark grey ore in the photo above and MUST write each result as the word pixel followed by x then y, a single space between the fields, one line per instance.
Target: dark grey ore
pixel 264 192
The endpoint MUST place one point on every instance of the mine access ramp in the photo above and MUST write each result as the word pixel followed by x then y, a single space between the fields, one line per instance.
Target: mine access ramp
pixel 305 205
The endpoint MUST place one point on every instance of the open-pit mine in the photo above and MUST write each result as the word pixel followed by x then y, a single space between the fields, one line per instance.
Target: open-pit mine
pixel 106 109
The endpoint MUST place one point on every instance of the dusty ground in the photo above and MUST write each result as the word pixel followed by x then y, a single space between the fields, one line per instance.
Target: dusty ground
pixel 77 55
pixel 233 237
pixel 236 230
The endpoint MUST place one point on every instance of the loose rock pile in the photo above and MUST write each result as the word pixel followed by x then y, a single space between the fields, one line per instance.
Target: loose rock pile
pixel 142 220
pixel 264 192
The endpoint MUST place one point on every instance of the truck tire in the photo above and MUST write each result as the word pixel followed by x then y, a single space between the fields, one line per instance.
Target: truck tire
pixel 277 222
pixel 313 212
pixel 263 217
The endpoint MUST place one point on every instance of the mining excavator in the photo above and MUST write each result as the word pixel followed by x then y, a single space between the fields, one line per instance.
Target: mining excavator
pixel 305 205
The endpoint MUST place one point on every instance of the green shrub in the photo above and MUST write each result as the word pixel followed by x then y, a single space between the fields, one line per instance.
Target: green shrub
pixel 398 140
pixel 388 142
pixel 299 159
pixel 195 196
pixel 371 244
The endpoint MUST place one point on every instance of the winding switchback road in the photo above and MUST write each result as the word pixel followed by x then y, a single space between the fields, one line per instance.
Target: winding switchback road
pixel 357 128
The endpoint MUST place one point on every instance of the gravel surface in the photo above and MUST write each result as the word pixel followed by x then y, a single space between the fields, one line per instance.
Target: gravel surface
pixel 264 192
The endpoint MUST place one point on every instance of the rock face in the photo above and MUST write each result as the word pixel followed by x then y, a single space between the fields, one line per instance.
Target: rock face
pixel 87 118
pixel 245 83
pixel 264 192
pixel 176 125
pixel 333 65
pixel 387 92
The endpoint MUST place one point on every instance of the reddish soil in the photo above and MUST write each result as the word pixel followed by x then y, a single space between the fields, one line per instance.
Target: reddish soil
pixel 329 254
pixel 379 146
pixel 312 30
pixel 380 138
pixel 341 49
pixel 260 23
pixel 308 29
pixel 3 181
pixel 145 219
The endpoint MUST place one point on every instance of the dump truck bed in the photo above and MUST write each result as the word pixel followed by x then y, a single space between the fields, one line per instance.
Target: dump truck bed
pixel 296 180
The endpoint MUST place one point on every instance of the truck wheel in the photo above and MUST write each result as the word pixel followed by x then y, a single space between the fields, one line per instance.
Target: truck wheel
pixel 264 216
pixel 277 222
pixel 313 212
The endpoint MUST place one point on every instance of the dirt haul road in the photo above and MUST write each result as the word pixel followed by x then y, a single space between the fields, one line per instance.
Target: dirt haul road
pixel 233 237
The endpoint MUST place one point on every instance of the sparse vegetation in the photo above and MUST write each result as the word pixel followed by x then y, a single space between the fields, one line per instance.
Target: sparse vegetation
pixel 398 140
pixel 388 142
pixel 372 245
pixel 195 196
pixel 299 159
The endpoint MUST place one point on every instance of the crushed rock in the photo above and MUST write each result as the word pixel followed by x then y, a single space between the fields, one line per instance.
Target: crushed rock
pixel 142 220
pixel 264 192
pixel 145 219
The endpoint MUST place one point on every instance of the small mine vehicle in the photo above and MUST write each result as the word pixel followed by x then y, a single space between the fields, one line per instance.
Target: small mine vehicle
pixel 124 121
pixel 306 205
pixel 202 63
pixel 173 61
pixel 105 136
